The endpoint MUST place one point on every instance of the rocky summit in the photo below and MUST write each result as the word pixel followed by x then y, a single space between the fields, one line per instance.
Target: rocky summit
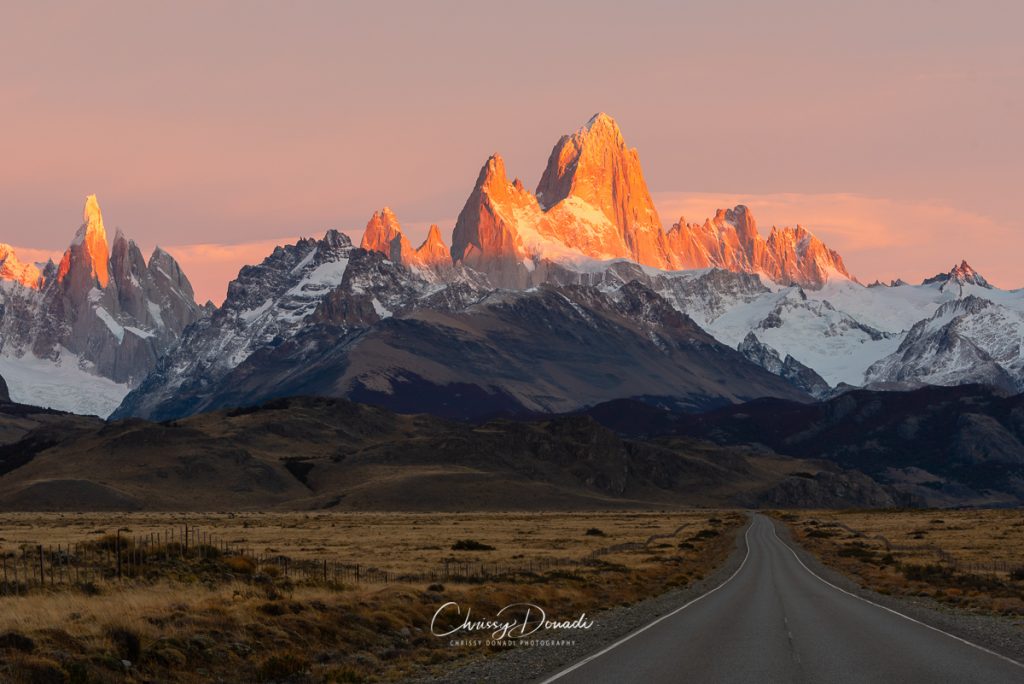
pixel 592 204
pixel 104 312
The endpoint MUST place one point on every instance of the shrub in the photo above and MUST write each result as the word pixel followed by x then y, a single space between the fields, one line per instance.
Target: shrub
pixel 436 587
pixel 820 534
pixel 275 609
pixel 283 666
pixel 595 532
pixel 704 534
pixel 857 551
pixel 1018 574
pixel 471 545
pixel 126 643
pixel 39 671
pixel 927 573
pixel 18 642
pixel 240 565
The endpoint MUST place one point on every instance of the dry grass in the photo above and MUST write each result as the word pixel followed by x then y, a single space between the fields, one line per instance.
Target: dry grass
pixel 229 624
pixel 973 559
pixel 397 542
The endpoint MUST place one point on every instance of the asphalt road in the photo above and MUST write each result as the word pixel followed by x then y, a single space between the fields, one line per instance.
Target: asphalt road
pixel 776 621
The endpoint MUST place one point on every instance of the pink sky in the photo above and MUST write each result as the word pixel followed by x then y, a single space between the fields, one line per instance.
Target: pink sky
pixel 893 133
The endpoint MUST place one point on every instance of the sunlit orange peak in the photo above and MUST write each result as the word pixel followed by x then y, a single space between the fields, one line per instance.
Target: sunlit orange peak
pixel 12 269
pixel 89 245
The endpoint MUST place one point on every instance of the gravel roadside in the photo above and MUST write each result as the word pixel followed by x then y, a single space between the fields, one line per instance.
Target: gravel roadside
pixel 536 663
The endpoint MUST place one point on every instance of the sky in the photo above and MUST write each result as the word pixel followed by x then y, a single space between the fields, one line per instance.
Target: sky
pixel 892 130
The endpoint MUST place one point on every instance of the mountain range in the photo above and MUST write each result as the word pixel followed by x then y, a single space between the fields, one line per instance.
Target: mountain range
pixel 543 302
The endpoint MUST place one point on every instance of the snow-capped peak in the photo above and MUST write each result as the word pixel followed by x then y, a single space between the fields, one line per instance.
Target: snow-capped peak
pixel 962 274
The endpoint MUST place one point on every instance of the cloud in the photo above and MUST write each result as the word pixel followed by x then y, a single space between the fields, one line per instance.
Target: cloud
pixel 877 237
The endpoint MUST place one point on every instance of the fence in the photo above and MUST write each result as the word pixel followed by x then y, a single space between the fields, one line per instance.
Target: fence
pixel 991 567
pixel 185 549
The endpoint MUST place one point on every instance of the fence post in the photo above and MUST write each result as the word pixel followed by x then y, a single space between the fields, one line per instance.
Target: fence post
pixel 42 575
pixel 117 552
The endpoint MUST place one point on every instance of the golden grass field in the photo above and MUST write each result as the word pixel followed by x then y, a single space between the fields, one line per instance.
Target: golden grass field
pixel 970 558
pixel 194 621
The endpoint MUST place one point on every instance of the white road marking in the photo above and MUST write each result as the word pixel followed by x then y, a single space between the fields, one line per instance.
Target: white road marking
pixel 894 612
pixel 746 541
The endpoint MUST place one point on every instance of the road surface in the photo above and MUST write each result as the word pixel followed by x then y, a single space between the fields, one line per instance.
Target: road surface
pixel 776 621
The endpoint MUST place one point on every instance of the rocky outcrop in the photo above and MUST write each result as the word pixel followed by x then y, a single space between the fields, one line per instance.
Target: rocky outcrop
pixel 789 369
pixel 958 276
pixel 381 234
pixel 384 234
pixel 433 251
pixel 825 489
pixel 487 232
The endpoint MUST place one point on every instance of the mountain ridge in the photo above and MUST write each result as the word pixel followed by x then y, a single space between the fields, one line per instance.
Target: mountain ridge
pixel 103 311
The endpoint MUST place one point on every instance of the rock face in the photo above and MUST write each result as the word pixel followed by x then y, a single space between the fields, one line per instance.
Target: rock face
pixel 969 340
pixel 103 309
pixel 384 234
pixel 731 240
pixel 433 251
pixel 267 305
pixel 937 445
pixel 381 231
pixel 387 336
pixel 957 277
pixel 592 203
pixel 789 369
pixel 487 232
pixel 593 167
pixel 27 275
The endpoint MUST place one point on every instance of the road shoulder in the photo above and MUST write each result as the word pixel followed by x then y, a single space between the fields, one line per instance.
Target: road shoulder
pixel 1000 634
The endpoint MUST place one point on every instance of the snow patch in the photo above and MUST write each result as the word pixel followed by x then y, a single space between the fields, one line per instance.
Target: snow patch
pixel 115 328
pixel 60 385
pixel 252 314
pixel 381 310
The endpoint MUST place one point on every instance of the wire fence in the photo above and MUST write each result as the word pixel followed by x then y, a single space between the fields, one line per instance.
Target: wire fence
pixel 993 567
pixel 187 550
